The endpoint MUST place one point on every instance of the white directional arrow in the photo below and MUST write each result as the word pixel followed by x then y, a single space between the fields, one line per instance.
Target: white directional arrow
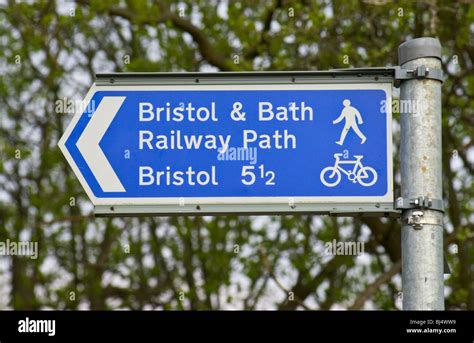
pixel 88 144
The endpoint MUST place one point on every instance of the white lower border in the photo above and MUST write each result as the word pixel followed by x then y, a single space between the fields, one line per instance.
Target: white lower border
pixel 387 87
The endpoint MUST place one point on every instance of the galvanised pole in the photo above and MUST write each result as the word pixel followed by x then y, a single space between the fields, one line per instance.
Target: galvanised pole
pixel 421 177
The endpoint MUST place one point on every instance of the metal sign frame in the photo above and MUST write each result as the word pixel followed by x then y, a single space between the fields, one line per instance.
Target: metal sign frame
pixel 248 206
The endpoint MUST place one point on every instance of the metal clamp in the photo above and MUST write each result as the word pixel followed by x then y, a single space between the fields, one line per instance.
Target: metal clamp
pixel 415 220
pixel 421 72
pixel 421 202
pixel 418 218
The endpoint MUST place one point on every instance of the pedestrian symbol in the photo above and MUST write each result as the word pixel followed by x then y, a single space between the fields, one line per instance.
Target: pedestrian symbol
pixel 350 114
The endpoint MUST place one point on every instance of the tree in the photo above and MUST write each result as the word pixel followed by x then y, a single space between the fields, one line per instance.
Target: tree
pixel 50 52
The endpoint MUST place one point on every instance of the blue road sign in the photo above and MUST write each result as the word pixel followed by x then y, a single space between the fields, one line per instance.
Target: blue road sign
pixel 233 144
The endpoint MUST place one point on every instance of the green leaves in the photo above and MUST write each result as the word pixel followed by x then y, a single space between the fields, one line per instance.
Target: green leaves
pixel 48 51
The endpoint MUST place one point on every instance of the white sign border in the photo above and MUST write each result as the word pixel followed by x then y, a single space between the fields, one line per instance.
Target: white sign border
pixel 388 197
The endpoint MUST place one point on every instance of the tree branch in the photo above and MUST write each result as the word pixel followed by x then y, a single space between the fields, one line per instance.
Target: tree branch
pixel 271 273
pixel 205 48
pixel 254 50
pixel 372 288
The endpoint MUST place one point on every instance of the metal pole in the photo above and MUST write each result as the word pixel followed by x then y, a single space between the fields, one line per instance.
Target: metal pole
pixel 422 228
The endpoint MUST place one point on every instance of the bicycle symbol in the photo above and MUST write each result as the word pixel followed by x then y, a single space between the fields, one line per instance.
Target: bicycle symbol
pixel 365 176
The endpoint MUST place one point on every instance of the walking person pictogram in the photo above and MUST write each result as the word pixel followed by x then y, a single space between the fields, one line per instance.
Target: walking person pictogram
pixel 350 114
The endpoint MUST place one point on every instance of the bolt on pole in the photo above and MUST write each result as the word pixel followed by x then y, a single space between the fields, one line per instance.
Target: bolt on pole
pixel 421 177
